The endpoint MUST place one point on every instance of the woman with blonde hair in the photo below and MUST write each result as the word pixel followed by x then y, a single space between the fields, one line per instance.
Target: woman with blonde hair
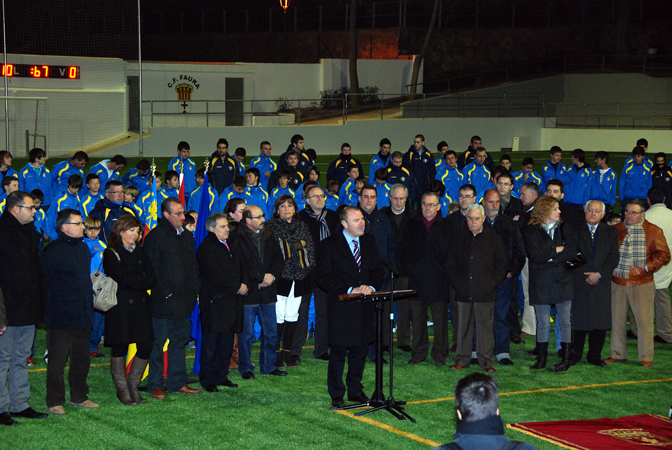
pixel 549 243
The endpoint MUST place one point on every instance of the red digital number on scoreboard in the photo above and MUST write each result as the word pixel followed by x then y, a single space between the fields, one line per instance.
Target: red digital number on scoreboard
pixel 40 71
pixel 9 69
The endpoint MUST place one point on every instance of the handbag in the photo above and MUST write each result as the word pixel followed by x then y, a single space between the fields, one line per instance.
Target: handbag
pixel 104 289
pixel 579 260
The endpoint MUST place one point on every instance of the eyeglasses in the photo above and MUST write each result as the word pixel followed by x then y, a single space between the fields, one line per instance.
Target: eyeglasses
pixel 260 216
pixel 178 213
pixel 318 197
pixel 504 184
pixel 632 213
pixel 73 223
pixel 28 207
pixel 465 197
pixel 431 205
pixel 116 192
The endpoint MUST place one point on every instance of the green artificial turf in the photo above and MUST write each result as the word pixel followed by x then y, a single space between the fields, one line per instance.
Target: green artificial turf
pixel 292 412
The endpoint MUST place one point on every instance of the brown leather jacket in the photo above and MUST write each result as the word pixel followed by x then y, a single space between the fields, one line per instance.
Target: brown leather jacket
pixel 657 255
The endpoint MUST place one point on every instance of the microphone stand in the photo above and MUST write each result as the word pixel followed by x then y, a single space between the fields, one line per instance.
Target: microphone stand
pixel 378 400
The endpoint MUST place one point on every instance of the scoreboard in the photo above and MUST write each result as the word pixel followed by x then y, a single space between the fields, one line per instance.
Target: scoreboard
pixel 40 71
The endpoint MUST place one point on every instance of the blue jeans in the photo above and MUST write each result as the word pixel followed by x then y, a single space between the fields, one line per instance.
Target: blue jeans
pixel 96 331
pixel 177 330
pixel 563 320
pixel 502 305
pixel 269 336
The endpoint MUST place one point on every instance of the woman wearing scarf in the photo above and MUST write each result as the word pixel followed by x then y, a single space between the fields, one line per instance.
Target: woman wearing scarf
pixel 298 251
pixel 549 243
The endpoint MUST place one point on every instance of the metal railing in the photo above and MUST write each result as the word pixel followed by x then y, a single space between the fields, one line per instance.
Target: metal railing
pixel 383 106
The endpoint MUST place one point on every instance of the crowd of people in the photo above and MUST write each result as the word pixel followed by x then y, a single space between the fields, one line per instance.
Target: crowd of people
pixel 465 234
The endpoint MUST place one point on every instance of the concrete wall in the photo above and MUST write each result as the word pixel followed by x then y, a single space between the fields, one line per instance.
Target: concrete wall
pixel 363 135
pixel 617 88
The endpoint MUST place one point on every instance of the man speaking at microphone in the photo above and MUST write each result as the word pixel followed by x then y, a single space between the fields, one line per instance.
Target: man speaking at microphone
pixel 349 263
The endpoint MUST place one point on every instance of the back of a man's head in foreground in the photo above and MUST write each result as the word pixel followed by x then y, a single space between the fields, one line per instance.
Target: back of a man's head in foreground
pixel 476 397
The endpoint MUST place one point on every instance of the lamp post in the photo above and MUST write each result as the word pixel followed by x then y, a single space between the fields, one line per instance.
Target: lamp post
pixel 284 4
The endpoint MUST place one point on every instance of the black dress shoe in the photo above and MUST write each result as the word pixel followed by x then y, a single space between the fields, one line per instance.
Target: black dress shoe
pixel 5 419
pixel 473 361
pixel 337 402
pixel 29 413
pixel 533 352
pixel 517 340
pixel 358 398
pixel 248 376
pixel 405 348
pixel 631 335
pixel 660 340
pixel 229 383
pixel 598 363
pixel 278 373
pixel 506 362
pixel 323 357
pixel 211 388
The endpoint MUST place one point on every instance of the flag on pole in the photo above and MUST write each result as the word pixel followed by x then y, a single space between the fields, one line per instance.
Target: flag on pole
pixel 181 195
pixel 199 234
pixel 151 222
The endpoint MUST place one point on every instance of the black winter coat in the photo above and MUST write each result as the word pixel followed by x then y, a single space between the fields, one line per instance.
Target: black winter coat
pixel 21 279
pixel 350 322
pixel 508 230
pixel 591 308
pixel 131 319
pixel 271 263
pixel 220 305
pixel 379 226
pixel 477 265
pixel 516 208
pixel 173 258
pixel 550 282
pixel 422 256
pixel 66 264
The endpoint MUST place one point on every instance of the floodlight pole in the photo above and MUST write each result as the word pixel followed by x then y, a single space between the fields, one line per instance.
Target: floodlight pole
pixel 139 78
pixel 4 50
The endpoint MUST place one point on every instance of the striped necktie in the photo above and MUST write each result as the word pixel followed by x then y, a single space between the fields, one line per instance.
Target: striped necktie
pixel 357 255
pixel 592 232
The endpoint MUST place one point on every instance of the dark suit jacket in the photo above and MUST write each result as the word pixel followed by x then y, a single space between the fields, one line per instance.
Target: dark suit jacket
pixel 591 309
pixel 516 208
pixel 350 322
pixel 422 256
pixel 220 305
pixel 272 263
pixel 408 215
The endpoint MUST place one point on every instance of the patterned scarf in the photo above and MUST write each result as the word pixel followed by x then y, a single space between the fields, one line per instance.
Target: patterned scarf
pixel 550 228
pixel 299 260
pixel 632 251
pixel 322 218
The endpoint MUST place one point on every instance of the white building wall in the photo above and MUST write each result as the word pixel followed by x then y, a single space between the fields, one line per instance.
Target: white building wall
pixel 81 112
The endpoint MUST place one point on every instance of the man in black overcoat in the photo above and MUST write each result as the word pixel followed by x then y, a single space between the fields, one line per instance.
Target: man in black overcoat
pixel 21 285
pixel 349 263
pixel 221 305
pixel 591 309
pixel 322 223
pixel 172 251
pixel 476 266
pixel 400 215
pixel 422 255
